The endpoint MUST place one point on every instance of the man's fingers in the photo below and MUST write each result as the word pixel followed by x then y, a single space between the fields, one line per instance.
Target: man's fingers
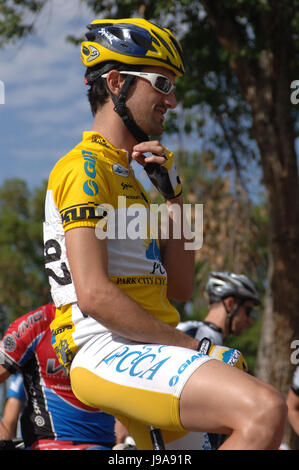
pixel 149 152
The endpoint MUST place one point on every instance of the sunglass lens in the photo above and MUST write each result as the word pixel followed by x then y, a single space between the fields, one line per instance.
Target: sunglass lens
pixel 163 84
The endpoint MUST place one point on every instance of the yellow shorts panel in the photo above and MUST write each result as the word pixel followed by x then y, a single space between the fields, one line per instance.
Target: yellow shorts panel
pixel 147 406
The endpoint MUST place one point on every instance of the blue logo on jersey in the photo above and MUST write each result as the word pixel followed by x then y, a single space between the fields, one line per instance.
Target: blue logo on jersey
pixel 89 167
pixel 90 187
pixel 227 355
pixel 153 252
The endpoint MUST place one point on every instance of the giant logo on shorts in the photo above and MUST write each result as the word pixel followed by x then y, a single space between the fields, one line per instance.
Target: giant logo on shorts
pixel 174 380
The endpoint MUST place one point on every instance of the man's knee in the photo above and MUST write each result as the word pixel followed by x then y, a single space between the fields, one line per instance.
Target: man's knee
pixel 273 404
pixel 268 417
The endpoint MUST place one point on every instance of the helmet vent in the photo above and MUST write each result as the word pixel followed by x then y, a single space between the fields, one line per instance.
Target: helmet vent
pixel 142 41
pixel 117 32
pixel 177 47
pixel 90 36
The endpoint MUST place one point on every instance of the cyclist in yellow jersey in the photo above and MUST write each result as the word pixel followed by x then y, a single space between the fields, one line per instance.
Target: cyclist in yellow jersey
pixel 114 327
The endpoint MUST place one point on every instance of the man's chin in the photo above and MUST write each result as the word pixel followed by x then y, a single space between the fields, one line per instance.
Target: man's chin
pixel 157 131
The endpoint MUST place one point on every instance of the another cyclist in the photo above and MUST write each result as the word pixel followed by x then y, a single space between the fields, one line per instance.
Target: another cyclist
pixel 293 402
pixel 114 327
pixel 15 399
pixel 52 417
pixel 232 298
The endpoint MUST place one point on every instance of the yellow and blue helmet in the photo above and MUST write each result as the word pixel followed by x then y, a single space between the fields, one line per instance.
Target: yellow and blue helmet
pixel 131 41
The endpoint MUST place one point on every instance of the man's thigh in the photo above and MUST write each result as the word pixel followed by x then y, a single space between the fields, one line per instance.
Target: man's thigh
pixel 142 382
pixel 218 398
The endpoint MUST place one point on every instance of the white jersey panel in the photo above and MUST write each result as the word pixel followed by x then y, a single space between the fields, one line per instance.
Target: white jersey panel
pixel 56 262
pixel 200 330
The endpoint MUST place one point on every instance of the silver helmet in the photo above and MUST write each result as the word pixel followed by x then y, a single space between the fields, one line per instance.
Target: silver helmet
pixel 224 284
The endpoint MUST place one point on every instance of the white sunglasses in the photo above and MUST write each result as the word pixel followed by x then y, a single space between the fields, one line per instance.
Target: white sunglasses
pixel 159 82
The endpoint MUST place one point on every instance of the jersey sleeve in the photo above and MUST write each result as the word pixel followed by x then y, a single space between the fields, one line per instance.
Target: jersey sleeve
pixel 20 340
pixel 79 185
pixel 16 388
pixel 77 189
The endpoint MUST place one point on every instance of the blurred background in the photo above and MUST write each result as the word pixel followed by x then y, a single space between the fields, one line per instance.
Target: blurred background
pixel 234 133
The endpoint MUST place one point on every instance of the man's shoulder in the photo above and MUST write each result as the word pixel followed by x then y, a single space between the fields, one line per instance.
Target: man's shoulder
pixel 23 336
pixel 32 323
pixel 90 153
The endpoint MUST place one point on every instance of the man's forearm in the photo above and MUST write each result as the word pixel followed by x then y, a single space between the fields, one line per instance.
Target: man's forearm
pixel 178 262
pixel 118 312
pixel 5 434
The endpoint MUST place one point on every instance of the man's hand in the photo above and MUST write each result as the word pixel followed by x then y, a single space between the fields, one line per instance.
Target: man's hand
pixel 159 164
pixel 230 356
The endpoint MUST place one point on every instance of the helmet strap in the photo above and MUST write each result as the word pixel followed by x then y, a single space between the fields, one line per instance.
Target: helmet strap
pixel 121 109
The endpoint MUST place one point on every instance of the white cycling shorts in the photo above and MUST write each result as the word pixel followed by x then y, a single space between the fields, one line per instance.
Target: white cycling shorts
pixel 140 384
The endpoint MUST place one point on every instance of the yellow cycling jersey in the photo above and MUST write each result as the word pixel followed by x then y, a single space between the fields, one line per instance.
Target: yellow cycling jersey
pixel 94 186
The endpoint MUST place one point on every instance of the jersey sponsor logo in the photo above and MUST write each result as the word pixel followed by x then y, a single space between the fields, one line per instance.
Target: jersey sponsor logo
pixel 64 352
pixel 9 343
pixel 39 421
pixel 22 329
pixel 79 212
pixel 60 330
pixel 153 253
pixel 52 370
pixel 120 170
pixel 141 280
pixel 97 139
pixel 90 187
pixel 126 186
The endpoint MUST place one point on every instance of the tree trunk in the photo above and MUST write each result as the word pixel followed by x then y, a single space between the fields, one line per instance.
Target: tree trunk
pixel 267 356
pixel 265 81
pixel 273 131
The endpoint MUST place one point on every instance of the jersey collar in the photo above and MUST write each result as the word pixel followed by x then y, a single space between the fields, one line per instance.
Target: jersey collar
pixel 98 141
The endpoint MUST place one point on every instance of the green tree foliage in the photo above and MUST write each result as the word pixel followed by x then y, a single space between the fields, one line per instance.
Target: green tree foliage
pixel 17 18
pixel 234 239
pixel 23 285
pixel 241 57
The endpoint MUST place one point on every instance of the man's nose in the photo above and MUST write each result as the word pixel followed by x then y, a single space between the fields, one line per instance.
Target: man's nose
pixel 170 100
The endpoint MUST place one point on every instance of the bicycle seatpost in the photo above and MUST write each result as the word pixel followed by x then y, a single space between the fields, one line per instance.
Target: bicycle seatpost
pixel 157 438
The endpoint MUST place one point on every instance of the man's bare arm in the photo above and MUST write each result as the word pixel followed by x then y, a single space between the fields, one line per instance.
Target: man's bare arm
pixel 178 262
pixel 100 298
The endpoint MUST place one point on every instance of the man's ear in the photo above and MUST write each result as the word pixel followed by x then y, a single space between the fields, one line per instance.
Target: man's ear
pixel 229 302
pixel 115 81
